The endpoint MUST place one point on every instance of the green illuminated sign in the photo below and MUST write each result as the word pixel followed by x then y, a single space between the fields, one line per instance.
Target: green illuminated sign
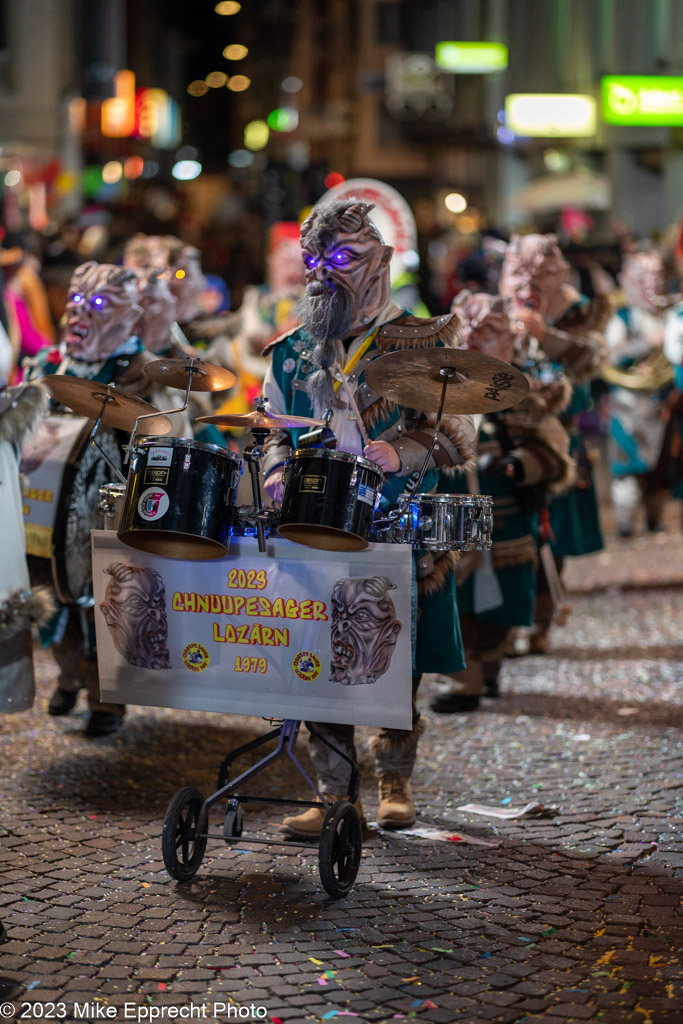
pixel 642 99
pixel 472 58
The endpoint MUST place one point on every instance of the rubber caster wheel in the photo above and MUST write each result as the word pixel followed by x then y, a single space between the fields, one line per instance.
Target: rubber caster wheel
pixel 341 842
pixel 181 845
pixel 234 819
pixel 223 774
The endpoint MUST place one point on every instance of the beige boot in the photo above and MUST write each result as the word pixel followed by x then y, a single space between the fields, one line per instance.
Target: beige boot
pixel 396 807
pixel 309 824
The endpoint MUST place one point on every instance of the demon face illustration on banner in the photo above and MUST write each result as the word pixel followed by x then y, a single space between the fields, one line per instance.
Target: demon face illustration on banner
pixel 364 630
pixel 134 609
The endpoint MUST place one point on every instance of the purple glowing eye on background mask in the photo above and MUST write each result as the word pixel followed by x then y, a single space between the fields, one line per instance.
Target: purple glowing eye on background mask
pixel 77 299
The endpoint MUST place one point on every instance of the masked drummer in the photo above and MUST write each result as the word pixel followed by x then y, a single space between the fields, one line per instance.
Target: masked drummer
pixel 100 342
pixel 348 319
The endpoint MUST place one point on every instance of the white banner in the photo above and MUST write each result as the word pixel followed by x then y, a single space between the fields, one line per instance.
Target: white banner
pixel 43 460
pixel 291 633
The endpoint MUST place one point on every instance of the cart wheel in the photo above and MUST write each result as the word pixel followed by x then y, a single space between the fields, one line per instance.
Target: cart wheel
pixel 234 818
pixel 224 773
pixel 340 849
pixel 181 847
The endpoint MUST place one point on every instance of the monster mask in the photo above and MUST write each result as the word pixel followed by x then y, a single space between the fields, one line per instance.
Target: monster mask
pixel 185 277
pixel 134 609
pixel 534 273
pixel 102 310
pixel 643 280
pixel 158 310
pixel 485 324
pixel 364 630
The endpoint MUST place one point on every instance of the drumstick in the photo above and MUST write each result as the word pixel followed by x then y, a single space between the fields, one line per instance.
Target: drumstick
pixel 341 377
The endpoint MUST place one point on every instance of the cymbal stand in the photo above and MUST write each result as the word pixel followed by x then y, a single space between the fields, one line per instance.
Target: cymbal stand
pixel 190 369
pixel 447 373
pixel 109 397
pixel 253 453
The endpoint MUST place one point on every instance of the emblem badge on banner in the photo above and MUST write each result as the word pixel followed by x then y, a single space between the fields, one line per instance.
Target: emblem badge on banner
pixel 296 632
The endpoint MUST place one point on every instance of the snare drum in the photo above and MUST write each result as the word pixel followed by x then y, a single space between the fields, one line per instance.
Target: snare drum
pixel 180 498
pixel 328 499
pixel 112 497
pixel 442 522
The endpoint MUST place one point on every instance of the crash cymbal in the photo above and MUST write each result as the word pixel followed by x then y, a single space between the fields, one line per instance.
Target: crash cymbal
pixel 86 398
pixel 480 384
pixel 257 420
pixel 174 373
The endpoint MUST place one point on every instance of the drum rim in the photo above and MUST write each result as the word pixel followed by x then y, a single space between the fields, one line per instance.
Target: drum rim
pixel 326 453
pixel 154 441
pixel 477 500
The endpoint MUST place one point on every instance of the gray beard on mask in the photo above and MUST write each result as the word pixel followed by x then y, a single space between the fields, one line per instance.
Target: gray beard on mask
pixel 327 315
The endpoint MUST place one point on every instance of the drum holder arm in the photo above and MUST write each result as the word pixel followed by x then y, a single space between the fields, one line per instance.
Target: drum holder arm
pixel 253 453
pixel 448 373
pixel 105 400
pixel 191 369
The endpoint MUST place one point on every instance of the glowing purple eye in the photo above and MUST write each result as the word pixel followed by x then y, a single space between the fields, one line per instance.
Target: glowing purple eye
pixel 310 262
pixel 99 301
pixel 77 298
pixel 341 257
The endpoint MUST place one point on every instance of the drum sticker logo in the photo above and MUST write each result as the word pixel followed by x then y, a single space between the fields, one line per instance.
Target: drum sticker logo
pixel 134 609
pixel 366 494
pixel 159 456
pixel 306 666
pixel 363 630
pixel 152 504
pixel 315 484
pixel 195 657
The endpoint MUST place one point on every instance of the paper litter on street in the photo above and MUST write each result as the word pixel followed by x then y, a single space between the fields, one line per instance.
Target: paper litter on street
pixel 532 810
pixel 427 832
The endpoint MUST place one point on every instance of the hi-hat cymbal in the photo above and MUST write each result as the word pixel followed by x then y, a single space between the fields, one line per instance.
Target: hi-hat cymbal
pixel 256 420
pixel 86 397
pixel 412 377
pixel 175 373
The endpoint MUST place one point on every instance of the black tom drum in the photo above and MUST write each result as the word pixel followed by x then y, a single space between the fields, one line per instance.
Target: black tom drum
pixel 328 499
pixel 180 498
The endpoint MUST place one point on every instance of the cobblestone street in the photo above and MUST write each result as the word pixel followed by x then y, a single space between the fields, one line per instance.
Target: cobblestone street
pixel 562 918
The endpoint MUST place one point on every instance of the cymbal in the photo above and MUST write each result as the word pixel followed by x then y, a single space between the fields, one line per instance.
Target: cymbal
pixel 256 420
pixel 412 377
pixel 86 397
pixel 174 373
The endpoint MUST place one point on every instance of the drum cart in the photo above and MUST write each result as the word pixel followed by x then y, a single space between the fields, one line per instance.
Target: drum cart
pixel 186 828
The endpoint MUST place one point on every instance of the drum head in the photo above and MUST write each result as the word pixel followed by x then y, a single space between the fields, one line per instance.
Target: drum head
pixel 325 538
pixel 173 545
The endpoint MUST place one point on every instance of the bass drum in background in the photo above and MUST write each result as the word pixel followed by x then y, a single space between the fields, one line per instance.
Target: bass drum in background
pixel 64 474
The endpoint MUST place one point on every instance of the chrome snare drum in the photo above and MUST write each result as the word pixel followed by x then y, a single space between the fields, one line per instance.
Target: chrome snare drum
pixel 442 522
pixel 112 497
pixel 329 498
pixel 180 498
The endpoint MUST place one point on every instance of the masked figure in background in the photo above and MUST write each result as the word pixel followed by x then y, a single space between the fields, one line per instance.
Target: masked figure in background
pixel 561 335
pixel 348 320
pixel 640 377
pixel 100 342
pixel 672 448
pixel 523 457
pixel 267 311
pixel 158 319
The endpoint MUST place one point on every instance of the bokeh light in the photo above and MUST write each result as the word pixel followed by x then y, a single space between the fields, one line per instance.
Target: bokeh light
pixel 197 88
pixel 238 83
pixel 228 7
pixel 216 79
pixel 133 167
pixel 256 135
pixel 241 158
pixel 334 178
pixel 235 51
pixel 12 178
pixel 284 119
pixel 292 84
pixel 112 172
pixel 186 170
pixel 455 202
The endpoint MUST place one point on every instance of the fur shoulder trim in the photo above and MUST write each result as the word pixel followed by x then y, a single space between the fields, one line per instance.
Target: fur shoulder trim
pixel 20 409
pixel 418 332
pixel 591 316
